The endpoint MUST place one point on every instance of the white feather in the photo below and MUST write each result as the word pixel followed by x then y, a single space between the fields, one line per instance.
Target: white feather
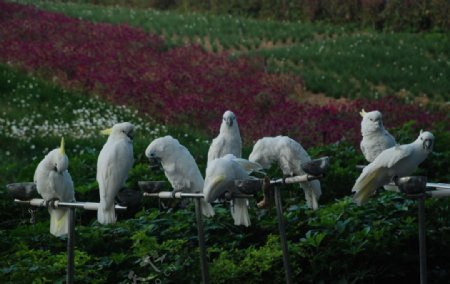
pixel 53 181
pixel 229 139
pixel 114 162
pixel 289 155
pixel 179 167
pixel 220 176
pixel 398 161
pixel 376 138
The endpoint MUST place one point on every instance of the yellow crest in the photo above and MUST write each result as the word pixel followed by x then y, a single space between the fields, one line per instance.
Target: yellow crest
pixel 362 113
pixel 61 148
pixel 106 131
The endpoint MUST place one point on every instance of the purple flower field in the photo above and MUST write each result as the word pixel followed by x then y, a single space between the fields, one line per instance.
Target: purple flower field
pixel 184 85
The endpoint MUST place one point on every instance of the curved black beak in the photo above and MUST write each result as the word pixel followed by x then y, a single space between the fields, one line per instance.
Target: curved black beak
pixel 130 135
pixel 428 144
pixel 155 163
pixel 229 121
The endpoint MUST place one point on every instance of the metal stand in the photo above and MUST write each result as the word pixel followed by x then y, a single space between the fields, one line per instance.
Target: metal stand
pixel 422 240
pixel 70 247
pixel 71 233
pixel 282 230
pixel 201 242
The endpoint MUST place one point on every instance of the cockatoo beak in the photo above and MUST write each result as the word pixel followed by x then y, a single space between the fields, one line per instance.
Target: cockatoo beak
pixel 155 162
pixel 362 113
pixel 130 135
pixel 229 121
pixel 106 131
pixel 428 144
pixel 61 148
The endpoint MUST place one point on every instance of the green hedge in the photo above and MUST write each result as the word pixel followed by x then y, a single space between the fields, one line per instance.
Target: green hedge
pixel 416 15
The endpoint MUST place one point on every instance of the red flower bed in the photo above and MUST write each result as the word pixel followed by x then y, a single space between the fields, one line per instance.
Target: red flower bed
pixel 185 85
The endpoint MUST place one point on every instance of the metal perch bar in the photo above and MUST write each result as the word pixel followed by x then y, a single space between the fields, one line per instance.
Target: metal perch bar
pixel 437 190
pixel 439 193
pixel 294 179
pixel 178 195
pixel 37 202
pixel 437 186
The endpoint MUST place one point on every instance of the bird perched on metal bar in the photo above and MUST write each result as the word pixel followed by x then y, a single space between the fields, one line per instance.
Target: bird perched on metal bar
pixel 229 139
pixel 220 176
pixel 289 155
pixel 53 182
pixel 114 162
pixel 392 163
pixel 179 167
pixel 376 138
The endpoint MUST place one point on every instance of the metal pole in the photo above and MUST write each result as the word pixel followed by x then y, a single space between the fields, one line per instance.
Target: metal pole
pixel 201 242
pixel 70 246
pixel 422 240
pixel 281 228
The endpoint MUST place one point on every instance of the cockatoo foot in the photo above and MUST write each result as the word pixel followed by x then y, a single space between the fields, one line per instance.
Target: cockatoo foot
pixel 51 203
pixel 266 191
pixel 175 191
pixel 395 180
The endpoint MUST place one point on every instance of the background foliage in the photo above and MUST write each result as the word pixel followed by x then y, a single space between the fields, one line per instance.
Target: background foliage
pixel 380 14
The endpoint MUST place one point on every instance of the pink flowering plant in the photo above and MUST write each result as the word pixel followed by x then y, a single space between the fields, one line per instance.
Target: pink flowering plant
pixel 184 85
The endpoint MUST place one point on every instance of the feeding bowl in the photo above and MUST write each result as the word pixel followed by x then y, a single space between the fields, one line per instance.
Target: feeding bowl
pixel 412 184
pixel 22 190
pixel 152 186
pixel 248 186
pixel 316 167
pixel 130 198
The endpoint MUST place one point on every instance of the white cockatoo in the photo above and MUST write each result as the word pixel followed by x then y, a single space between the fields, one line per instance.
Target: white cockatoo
pixel 179 167
pixel 114 162
pixel 229 139
pixel 53 182
pixel 220 176
pixel 395 162
pixel 289 155
pixel 376 138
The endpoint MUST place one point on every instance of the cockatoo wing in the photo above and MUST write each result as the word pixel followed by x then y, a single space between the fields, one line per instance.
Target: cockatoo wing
pixel 291 156
pixel 66 192
pixel 379 172
pixel 363 148
pixel 214 151
pixel 395 154
pixel 114 162
pixel 248 166
pixel 367 184
pixel 220 176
